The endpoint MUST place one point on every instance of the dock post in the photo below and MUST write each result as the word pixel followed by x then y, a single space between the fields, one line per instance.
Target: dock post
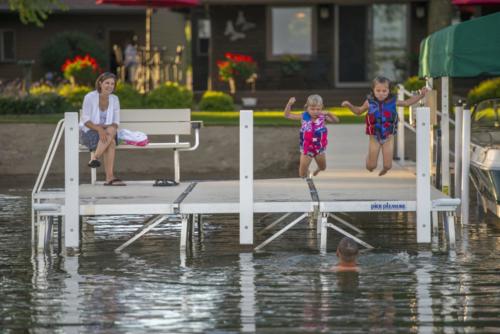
pixel 401 128
pixel 445 136
pixel 458 150
pixel 246 177
pixel 465 166
pixel 71 181
pixel 324 232
pixel 423 176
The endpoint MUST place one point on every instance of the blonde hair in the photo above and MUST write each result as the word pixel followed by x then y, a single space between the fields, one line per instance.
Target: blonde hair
pixel 103 77
pixel 314 100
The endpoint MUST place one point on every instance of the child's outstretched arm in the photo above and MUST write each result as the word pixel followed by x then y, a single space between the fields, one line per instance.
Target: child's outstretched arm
pixel 288 108
pixel 355 109
pixel 414 99
pixel 331 118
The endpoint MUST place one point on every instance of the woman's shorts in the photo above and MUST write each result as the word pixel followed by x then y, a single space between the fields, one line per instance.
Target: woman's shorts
pixel 91 139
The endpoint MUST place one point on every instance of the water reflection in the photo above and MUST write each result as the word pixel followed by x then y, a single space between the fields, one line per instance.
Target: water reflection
pixel 214 287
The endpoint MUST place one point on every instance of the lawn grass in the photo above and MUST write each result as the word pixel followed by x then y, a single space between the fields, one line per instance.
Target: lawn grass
pixel 209 118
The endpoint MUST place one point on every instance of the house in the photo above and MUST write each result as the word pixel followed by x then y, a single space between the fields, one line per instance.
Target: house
pixel 334 47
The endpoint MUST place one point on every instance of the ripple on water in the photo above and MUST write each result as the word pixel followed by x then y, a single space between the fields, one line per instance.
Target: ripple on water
pixel 217 288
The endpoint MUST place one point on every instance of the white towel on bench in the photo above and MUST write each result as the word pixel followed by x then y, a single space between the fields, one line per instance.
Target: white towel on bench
pixel 129 137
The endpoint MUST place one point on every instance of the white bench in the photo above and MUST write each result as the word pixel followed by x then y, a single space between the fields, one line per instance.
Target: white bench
pixel 160 122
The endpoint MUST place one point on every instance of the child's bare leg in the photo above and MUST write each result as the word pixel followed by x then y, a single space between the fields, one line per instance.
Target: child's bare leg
pixel 305 161
pixel 387 151
pixel 321 162
pixel 372 158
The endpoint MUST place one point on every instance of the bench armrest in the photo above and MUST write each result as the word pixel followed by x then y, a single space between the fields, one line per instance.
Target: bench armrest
pixel 196 124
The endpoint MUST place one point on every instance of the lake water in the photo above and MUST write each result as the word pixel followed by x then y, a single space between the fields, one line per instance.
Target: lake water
pixel 219 288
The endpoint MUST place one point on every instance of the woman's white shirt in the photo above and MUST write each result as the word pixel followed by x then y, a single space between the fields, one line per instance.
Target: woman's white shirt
pixel 91 111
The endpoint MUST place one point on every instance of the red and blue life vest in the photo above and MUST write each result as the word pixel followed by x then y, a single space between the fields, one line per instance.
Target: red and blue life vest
pixel 382 118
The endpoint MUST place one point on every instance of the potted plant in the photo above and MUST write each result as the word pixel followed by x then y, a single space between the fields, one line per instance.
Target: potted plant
pixel 237 66
pixel 81 70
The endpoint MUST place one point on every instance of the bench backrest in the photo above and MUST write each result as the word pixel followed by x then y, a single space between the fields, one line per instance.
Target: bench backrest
pixel 157 121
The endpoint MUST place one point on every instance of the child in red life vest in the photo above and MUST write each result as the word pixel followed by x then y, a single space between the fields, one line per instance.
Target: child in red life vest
pixel 381 120
pixel 313 133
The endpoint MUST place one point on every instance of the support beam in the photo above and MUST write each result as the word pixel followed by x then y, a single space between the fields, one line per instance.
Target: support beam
pixel 423 176
pixel 280 232
pixel 246 177
pixel 273 224
pixel 465 166
pixel 148 225
pixel 445 136
pixel 343 222
pixel 184 232
pixel 458 151
pixel 71 181
pixel 349 235
pixel 401 128
pixel 324 232
pixel 450 227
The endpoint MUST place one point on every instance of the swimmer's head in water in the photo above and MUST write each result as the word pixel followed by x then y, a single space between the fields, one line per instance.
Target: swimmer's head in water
pixel 347 249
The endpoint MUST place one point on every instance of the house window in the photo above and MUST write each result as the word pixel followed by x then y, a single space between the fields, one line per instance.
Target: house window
pixel 292 32
pixel 7 43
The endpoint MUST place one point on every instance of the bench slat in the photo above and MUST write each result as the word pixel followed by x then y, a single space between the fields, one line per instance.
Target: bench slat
pixel 155 115
pixel 84 148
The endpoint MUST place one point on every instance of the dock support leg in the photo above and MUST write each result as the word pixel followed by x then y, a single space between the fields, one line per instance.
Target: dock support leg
pixel 41 232
pixel 324 232
pixel 200 227
pixel 177 170
pixel 71 181
pixel 435 224
pixel 423 176
pixel 246 177
pixel 464 205
pixel 343 222
pixel 184 231
pixel 450 228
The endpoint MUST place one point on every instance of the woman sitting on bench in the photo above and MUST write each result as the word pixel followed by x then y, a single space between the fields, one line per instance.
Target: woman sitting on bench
pixel 99 122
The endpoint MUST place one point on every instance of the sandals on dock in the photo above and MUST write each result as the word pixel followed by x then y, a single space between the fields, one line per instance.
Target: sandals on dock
pixel 94 163
pixel 115 182
pixel 164 183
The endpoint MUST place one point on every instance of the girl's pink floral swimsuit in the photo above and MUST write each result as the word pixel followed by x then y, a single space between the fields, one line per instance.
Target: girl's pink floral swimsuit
pixel 313 135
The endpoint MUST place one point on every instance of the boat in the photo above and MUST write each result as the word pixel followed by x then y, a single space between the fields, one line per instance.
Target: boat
pixel 485 154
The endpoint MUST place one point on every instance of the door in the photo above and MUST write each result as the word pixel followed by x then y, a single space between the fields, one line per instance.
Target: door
pixel 369 41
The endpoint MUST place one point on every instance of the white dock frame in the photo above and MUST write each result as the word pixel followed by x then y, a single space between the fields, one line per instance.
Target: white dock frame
pixel 245 197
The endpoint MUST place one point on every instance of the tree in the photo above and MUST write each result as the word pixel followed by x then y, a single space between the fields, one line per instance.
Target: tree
pixel 440 13
pixel 35 11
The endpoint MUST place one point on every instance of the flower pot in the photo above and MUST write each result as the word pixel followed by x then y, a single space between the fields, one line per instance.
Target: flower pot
pixel 249 101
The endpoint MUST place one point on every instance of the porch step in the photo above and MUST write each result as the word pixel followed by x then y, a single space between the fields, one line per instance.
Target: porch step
pixel 277 99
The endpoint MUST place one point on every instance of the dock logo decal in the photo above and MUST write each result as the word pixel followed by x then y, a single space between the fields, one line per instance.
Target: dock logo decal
pixel 388 206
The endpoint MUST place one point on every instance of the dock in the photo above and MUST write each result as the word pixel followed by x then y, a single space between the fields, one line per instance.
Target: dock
pixel 346 186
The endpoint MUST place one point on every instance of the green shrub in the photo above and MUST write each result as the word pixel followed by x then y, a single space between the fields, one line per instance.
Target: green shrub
pixel 49 103
pixel 216 101
pixel 68 45
pixel 129 97
pixel 169 95
pixel 74 94
pixel 41 89
pixel 487 89
pixel 413 84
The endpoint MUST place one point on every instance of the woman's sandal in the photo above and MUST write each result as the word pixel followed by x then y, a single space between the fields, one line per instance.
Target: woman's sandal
pixel 94 163
pixel 115 182
pixel 164 183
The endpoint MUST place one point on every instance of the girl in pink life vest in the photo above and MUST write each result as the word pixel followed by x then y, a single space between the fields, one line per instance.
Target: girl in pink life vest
pixel 381 120
pixel 313 133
